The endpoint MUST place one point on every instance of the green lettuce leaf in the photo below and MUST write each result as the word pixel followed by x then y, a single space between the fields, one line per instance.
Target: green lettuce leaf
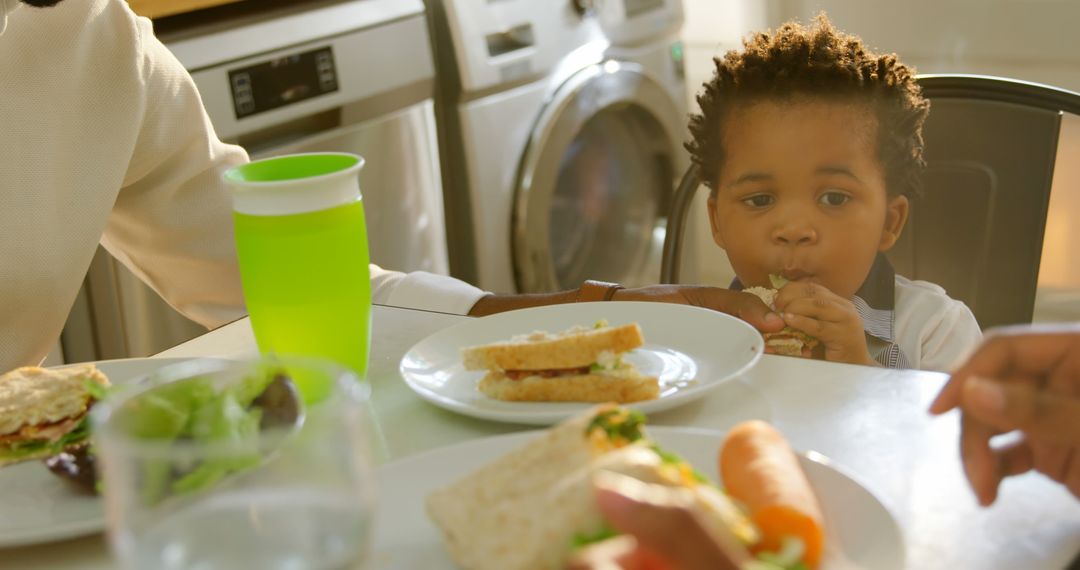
pixel 24 449
pixel 196 411
pixel 629 429
pixel 583 539
pixel 97 391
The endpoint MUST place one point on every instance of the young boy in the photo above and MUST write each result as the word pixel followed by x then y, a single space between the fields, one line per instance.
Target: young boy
pixel 812 146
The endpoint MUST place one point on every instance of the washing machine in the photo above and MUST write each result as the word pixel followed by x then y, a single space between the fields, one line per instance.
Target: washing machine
pixel 560 148
pixel 647 35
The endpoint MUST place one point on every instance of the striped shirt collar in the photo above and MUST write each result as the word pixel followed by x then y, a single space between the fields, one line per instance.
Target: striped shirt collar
pixel 876 303
pixel 876 300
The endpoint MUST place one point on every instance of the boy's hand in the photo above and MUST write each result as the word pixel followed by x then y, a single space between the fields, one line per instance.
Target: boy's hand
pixel 833 320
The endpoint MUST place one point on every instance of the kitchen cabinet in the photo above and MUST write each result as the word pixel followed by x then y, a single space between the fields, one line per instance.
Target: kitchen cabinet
pixel 162 8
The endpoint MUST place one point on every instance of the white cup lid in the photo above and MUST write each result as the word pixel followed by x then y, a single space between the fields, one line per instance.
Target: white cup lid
pixel 295 183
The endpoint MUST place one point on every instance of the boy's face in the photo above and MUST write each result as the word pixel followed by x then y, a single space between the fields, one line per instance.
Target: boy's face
pixel 802 194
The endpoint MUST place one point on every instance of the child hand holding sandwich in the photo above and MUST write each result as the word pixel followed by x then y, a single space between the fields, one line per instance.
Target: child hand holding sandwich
pixel 831 319
pixel 812 148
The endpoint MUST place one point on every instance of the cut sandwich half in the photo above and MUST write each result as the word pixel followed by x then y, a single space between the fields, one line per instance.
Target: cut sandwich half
pixel 577 365
pixel 790 341
pixel 44 412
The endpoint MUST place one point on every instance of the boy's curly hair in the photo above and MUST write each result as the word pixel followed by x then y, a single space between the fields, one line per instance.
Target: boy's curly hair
pixel 817 61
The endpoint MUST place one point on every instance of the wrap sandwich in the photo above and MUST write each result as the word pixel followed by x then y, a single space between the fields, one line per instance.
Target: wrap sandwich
pixel 532 508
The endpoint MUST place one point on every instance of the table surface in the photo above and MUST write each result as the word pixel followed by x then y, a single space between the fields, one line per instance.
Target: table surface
pixel 870 421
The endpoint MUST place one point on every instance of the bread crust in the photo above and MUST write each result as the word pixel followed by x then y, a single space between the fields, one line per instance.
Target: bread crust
pixel 32 396
pixel 568 350
pixel 578 388
pixel 791 342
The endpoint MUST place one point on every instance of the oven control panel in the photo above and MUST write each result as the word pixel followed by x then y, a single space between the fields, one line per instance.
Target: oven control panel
pixel 282 81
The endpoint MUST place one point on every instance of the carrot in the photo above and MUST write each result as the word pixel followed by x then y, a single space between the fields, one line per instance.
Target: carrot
pixel 759 469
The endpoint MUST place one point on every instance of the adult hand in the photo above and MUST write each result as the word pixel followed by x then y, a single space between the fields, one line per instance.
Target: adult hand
pixel 1023 379
pixel 662 531
pixel 833 320
pixel 736 303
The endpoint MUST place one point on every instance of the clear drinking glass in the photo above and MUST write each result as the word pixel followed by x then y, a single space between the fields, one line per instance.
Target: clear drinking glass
pixel 220 465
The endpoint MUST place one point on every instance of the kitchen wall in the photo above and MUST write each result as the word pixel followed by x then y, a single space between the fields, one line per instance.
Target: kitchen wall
pixel 713 27
pixel 1033 40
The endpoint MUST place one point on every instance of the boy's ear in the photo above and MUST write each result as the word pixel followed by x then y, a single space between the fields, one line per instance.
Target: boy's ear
pixel 896 215
pixel 714 222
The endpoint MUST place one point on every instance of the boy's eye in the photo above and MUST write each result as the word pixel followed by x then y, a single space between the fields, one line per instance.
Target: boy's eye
pixel 833 199
pixel 758 200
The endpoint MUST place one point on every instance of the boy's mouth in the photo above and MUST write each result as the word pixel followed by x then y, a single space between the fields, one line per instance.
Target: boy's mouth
pixel 796 275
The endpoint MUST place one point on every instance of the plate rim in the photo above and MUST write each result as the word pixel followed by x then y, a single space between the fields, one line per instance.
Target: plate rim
pixel 540 417
pixel 808 456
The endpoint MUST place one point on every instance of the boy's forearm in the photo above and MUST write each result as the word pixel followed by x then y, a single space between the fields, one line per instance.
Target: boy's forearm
pixel 491 304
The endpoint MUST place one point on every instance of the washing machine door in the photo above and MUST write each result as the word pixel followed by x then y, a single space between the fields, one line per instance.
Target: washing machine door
pixel 595 181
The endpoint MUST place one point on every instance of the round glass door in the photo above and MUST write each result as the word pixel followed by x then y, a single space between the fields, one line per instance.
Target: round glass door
pixel 608 198
pixel 595 182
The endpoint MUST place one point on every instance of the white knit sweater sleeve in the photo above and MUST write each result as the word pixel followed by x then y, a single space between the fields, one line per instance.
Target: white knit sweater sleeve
pixel 172 220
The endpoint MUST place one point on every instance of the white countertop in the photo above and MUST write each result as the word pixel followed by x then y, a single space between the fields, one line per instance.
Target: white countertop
pixel 869 421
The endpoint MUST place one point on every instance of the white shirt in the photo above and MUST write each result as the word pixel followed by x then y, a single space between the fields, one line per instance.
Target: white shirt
pixel 934 331
pixel 103 137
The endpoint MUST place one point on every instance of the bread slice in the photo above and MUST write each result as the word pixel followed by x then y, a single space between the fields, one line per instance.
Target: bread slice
pixel 574 348
pixel 33 396
pixel 788 342
pixel 621 388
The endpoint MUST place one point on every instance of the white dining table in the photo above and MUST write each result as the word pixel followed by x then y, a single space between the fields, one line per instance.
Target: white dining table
pixel 871 422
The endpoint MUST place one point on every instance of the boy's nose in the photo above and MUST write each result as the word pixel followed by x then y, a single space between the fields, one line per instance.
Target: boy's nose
pixel 795 234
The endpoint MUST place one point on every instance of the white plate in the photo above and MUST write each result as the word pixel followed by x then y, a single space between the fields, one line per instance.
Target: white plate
pixel 40 507
pixel 690 349
pixel 860 531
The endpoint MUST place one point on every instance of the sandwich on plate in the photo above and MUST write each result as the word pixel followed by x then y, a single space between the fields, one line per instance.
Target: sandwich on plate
pixel 43 412
pixel 790 341
pixel 578 365
pixel 535 508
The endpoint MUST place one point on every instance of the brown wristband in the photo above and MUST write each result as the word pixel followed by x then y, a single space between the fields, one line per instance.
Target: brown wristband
pixel 596 291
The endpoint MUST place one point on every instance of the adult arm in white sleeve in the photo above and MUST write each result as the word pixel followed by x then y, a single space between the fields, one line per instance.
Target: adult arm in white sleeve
pixel 423 290
pixel 172 221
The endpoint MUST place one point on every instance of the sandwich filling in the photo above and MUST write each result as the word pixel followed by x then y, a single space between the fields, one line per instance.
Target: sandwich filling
pixel 553 373
pixel 607 363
